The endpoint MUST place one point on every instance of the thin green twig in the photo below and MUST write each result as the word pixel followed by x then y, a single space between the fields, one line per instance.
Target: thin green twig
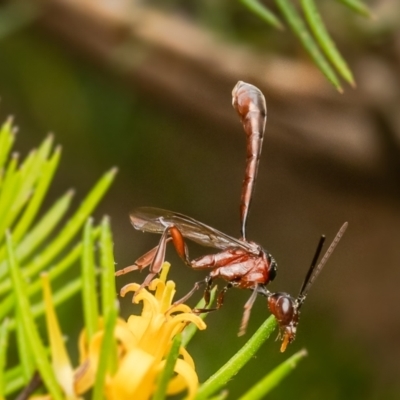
pixel 218 380
pixel 273 378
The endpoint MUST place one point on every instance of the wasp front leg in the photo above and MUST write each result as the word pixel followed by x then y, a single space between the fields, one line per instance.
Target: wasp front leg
pixel 206 295
pixel 156 256
pixel 142 262
pixel 247 310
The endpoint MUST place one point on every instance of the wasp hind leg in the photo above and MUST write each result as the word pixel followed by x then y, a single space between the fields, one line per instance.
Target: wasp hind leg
pixel 247 310
pixel 220 298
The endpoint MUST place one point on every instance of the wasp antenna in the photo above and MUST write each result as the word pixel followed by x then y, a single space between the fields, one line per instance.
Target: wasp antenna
pixel 313 264
pixel 315 271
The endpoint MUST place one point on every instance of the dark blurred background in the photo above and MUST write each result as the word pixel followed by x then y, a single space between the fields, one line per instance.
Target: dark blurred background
pixel 146 86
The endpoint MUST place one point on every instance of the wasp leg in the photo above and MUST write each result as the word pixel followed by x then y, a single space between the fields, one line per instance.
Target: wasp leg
pixel 35 383
pixel 192 291
pixel 179 244
pixel 156 256
pixel 142 262
pixel 156 262
pixel 247 311
pixel 220 299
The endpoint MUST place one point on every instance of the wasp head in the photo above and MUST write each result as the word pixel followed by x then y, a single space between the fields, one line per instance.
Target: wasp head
pixel 286 311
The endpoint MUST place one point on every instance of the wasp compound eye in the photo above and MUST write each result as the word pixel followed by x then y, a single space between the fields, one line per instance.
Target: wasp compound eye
pixel 273 266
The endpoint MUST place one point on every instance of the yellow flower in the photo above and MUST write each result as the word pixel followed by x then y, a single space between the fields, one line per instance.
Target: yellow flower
pixel 143 343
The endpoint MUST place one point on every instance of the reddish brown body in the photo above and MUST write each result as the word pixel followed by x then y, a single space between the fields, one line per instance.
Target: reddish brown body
pixel 241 263
pixel 237 266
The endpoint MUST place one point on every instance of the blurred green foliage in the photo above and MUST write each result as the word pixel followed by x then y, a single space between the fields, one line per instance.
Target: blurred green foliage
pixel 304 20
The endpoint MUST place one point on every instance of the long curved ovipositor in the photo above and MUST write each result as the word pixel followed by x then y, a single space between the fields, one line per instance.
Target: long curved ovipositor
pixel 250 104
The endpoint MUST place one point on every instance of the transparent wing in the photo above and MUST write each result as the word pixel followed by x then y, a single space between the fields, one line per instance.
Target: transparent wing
pixel 155 220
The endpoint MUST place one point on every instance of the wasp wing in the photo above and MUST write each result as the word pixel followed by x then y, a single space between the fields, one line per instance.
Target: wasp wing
pixel 155 220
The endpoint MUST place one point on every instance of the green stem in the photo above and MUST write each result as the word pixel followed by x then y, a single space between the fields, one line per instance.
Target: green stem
pixel 232 367
pixel 273 378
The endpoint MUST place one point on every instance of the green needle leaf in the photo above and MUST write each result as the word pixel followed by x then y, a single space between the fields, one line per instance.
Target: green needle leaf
pixel 30 172
pixel 43 228
pixel 28 323
pixel 89 293
pixel 233 366
pixel 25 355
pixel 48 170
pixel 3 354
pixel 108 347
pixel 14 379
pixel 357 6
pixel 67 262
pixel 263 13
pixel 11 184
pixel 61 296
pixel 191 329
pixel 221 396
pixel 75 223
pixel 273 378
pixel 71 228
pixel 36 236
pixel 300 30
pixel 7 138
pixel 328 46
pixel 108 288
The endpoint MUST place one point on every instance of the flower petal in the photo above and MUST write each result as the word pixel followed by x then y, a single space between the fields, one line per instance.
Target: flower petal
pixel 61 363
pixel 188 374
pixel 129 381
